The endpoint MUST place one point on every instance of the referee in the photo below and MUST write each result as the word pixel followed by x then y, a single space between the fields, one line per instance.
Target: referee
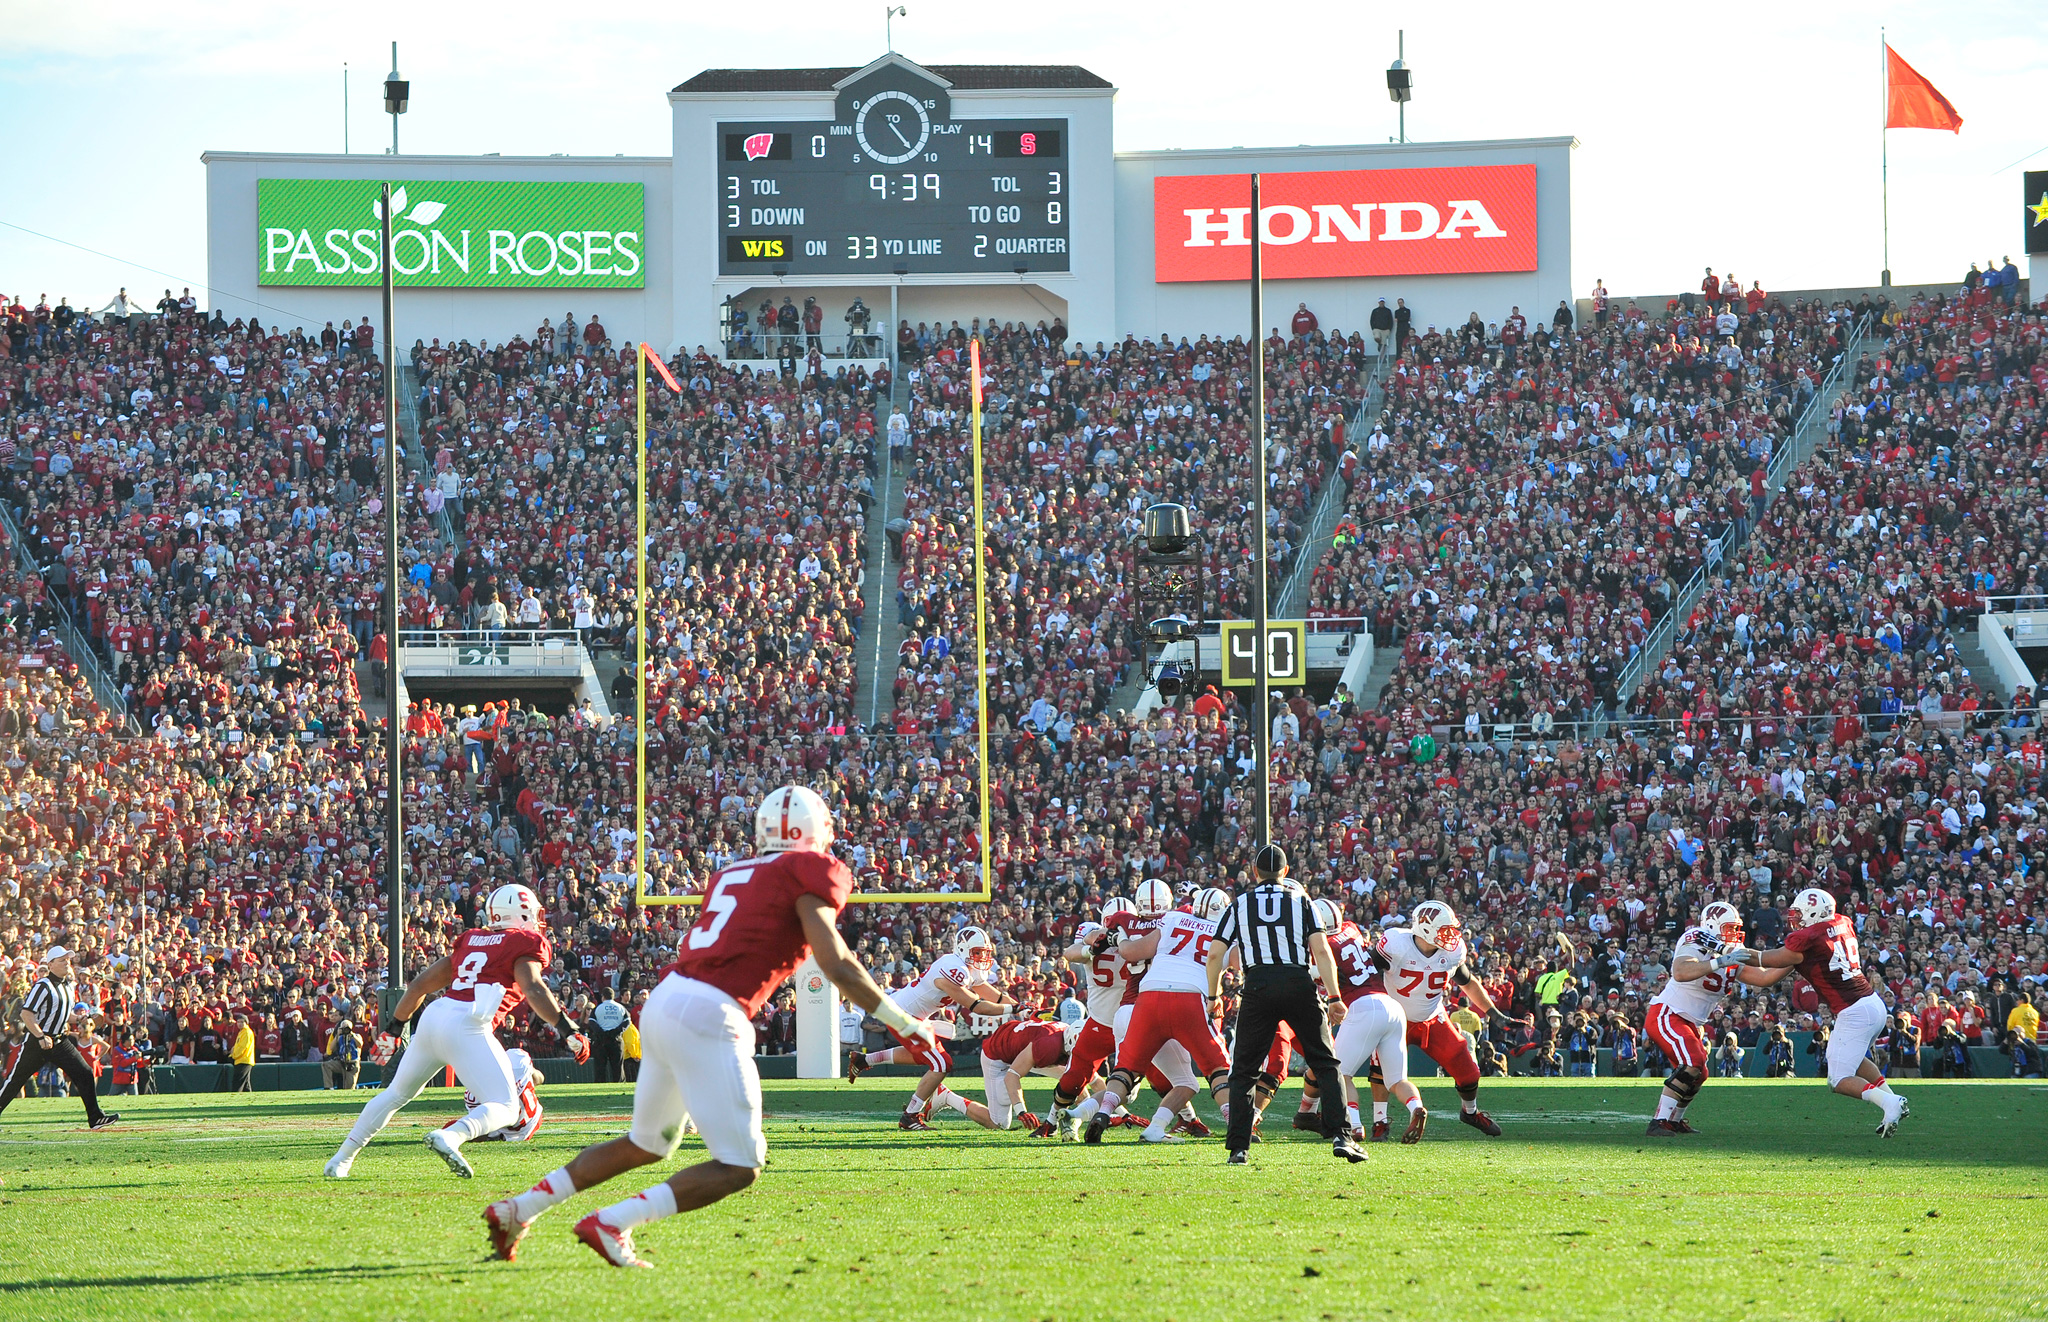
pixel 46 1017
pixel 1274 931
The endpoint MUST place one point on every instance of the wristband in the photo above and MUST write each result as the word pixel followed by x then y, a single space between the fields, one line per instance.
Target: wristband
pixel 893 1018
pixel 566 1028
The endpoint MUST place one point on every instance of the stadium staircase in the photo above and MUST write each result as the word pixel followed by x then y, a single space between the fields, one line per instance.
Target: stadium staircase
pixel 105 686
pixel 1812 431
pixel 881 632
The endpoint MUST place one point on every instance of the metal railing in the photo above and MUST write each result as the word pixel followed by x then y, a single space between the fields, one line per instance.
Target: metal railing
pixel 416 449
pixel 1804 440
pixel 76 645
pixel 463 650
pixel 1329 502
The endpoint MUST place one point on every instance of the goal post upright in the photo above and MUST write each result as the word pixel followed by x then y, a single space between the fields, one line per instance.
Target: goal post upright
pixel 986 891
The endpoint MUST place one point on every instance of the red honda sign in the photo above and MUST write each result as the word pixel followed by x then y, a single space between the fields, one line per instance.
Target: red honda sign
pixel 1346 223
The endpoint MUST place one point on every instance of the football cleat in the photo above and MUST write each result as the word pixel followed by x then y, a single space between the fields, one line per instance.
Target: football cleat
pixel 1679 1126
pixel 1345 1150
pixel 1358 1134
pixel 1480 1121
pixel 1659 1129
pixel 1097 1123
pixel 912 1122
pixel 1167 1137
pixel 1126 1121
pixel 1892 1115
pixel 338 1166
pixel 1192 1126
pixel 613 1245
pixel 109 1118
pixel 856 1065
pixel 1038 1128
pixel 1418 1120
pixel 438 1144
pixel 1238 1158
pixel 1380 1130
pixel 506 1229
pixel 1309 1122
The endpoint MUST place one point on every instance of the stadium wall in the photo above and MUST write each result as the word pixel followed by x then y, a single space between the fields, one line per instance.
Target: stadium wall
pixel 1145 306
pixel 234 247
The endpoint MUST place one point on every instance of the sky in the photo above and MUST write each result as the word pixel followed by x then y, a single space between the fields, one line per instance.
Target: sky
pixel 1745 137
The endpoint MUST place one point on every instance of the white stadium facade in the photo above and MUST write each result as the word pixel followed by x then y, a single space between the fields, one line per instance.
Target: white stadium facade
pixel 947 192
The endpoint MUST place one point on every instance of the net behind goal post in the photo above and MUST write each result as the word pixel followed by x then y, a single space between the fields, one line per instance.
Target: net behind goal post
pixel 646 897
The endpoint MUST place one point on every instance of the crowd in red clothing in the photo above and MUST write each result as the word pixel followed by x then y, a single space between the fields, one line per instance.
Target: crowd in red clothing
pixel 199 496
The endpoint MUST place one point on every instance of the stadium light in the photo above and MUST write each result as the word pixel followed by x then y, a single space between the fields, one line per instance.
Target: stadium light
pixel 1401 81
pixel 397 94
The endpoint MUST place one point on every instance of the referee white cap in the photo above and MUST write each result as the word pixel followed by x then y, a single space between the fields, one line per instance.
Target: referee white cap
pixel 54 953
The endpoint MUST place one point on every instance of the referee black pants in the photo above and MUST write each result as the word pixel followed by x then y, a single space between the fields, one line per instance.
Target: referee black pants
pixel 66 1056
pixel 1272 997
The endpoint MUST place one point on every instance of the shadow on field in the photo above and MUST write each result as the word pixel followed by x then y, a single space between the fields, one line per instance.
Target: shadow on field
pixel 300 1275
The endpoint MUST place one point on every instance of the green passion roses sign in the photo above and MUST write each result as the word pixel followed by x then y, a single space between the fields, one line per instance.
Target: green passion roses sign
pixel 465 233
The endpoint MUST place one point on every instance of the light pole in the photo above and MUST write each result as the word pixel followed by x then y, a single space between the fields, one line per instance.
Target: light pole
pixel 394 732
pixel 890 14
pixel 1262 720
pixel 397 92
pixel 1400 85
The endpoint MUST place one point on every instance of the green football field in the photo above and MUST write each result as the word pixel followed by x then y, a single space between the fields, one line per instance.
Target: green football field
pixel 1785 1206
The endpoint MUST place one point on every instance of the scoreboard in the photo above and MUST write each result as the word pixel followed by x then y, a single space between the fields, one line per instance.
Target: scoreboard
pixel 891 187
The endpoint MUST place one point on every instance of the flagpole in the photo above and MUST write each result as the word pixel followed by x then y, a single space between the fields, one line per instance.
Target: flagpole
pixel 1884 153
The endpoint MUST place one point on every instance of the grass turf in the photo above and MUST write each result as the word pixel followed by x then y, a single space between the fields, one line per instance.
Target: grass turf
pixel 1785 1206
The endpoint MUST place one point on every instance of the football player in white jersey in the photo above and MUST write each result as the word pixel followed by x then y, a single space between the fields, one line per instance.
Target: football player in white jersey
pixel 1172 1007
pixel 1423 960
pixel 1689 998
pixel 959 979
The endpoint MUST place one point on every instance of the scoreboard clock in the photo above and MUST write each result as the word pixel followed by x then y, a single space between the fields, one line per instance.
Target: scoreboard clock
pixel 893 184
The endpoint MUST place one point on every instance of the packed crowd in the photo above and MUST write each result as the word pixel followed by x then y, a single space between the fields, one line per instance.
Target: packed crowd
pixel 200 497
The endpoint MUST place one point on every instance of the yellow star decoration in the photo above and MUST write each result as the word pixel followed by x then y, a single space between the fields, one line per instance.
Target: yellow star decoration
pixel 2040 210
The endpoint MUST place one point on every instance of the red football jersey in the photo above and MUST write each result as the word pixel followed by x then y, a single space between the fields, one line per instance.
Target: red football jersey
pixel 487 957
pixel 1359 968
pixel 749 938
pixel 1830 960
pixel 1048 1042
pixel 1130 927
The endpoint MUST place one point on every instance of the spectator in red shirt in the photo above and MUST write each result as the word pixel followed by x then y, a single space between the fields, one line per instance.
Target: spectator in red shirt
pixel 1304 324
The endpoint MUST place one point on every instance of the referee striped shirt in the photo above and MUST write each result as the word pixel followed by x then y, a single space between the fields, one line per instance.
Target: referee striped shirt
pixel 1270 926
pixel 50 1001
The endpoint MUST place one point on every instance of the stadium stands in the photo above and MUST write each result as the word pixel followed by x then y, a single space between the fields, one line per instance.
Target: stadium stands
pixel 201 498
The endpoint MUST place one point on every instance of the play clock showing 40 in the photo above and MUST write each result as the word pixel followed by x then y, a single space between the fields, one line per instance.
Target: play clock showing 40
pixel 893 190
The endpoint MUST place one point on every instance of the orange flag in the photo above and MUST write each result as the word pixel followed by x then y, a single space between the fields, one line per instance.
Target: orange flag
pixel 1911 102
pixel 647 351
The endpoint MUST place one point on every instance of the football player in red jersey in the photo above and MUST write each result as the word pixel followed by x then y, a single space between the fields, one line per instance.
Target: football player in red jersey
pixel 1824 951
pixel 760 917
pixel 483 978
pixel 1018 1048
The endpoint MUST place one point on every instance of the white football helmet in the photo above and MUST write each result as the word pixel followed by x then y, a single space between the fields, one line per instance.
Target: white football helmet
pixel 1154 898
pixel 1326 914
pixel 1434 922
pixel 1813 905
pixel 514 907
pixel 973 945
pixel 1210 903
pixel 1722 921
pixel 792 818
pixel 1115 905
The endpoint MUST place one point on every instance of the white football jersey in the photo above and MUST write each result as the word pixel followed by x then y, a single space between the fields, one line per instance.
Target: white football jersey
pixel 922 999
pixel 1698 999
pixel 1182 962
pixel 1416 980
pixel 1106 977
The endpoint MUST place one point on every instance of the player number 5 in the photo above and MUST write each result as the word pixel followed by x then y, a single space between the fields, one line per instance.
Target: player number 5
pixel 718 908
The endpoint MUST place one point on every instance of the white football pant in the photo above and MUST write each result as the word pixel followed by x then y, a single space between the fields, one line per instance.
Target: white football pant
pixel 697 1062
pixel 1374 1025
pixel 449 1033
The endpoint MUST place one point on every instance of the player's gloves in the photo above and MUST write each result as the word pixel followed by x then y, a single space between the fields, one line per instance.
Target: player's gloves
pixel 394 1025
pixel 571 1034
pixel 1733 957
pixel 896 1021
